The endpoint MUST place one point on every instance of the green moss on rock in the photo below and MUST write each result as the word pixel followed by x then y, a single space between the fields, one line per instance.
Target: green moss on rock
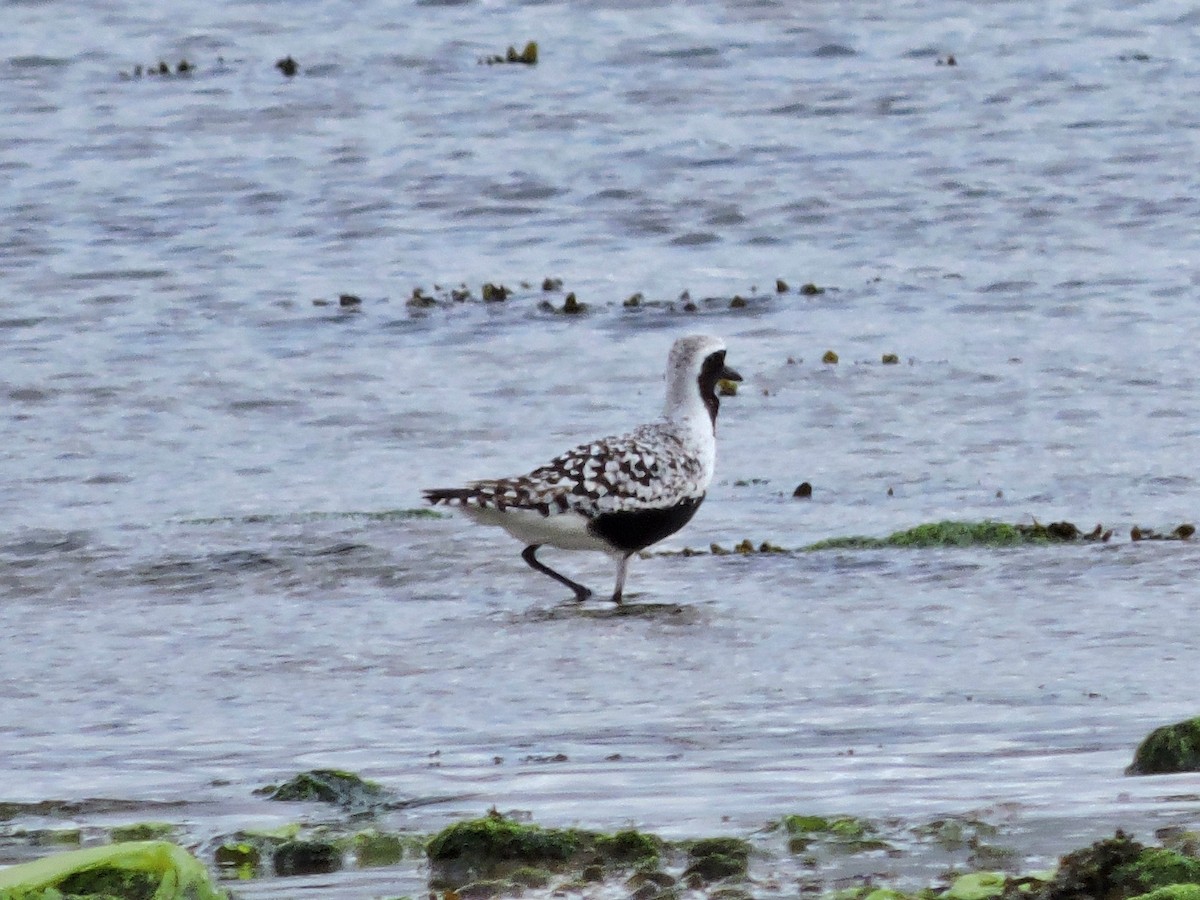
pixel 141 831
pixel 1092 872
pixel 629 847
pixel 1159 867
pixel 345 789
pixel 1172 892
pixel 1169 749
pixel 306 858
pixel 955 534
pixel 977 886
pixel 495 845
pixel 377 848
pixel 712 859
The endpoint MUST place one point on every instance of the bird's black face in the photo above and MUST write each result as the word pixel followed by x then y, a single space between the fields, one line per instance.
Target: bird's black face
pixel 712 370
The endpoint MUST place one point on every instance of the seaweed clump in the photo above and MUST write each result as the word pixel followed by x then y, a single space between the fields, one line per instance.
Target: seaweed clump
pixel 500 853
pixel 712 859
pixel 967 534
pixel 344 789
pixel 138 870
pixel 495 846
pixel 1169 749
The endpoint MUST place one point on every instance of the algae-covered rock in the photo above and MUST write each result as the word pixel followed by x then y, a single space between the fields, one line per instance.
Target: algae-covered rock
pixel 629 848
pixel 1158 867
pixel 141 831
pixel 1092 872
pixel 495 845
pixel 711 859
pixel 963 534
pixel 1172 892
pixel 345 789
pixel 844 834
pixel 306 858
pixel 1171 748
pixel 377 848
pixel 139 870
pixel 238 859
pixel 976 886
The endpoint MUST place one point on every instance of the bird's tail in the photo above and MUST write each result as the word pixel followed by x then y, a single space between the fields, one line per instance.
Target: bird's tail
pixel 448 496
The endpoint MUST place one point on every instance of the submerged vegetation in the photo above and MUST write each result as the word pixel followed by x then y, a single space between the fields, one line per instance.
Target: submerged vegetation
pixel 140 870
pixel 948 533
pixel 968 534
pixel 505 855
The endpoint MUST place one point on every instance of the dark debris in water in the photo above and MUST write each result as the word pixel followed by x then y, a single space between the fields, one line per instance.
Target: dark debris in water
pixel 423 300
pixel 1180 533
pixel 527 56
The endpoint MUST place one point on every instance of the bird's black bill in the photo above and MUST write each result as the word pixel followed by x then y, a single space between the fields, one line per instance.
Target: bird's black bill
pixel 728 374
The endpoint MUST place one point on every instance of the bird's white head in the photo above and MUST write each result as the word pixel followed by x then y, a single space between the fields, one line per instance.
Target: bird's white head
pixel 695 365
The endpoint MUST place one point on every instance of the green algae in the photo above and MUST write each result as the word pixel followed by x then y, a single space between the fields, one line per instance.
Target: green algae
pixel 238 859
pixel 843 834
pixel 629 847
pixel 495 846
pixel 1158 867
pixel 137 870
pixel 952 533
pixel 141 831
pixel 1172 892
pixel 1169 749
pixel 377 848
pixel 345 789
pixel 712 859
pixel 1091 872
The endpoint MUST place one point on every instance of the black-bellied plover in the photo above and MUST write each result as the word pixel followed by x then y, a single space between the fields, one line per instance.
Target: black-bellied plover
pixel 617 495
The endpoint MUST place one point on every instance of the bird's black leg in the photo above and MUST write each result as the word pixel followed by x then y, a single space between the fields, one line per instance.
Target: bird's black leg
pixel 529 555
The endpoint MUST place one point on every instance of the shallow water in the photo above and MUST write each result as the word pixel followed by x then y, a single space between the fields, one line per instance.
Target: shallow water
pixel 191 606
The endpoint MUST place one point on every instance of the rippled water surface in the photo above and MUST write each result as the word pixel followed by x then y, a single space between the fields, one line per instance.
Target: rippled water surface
pixel 207 578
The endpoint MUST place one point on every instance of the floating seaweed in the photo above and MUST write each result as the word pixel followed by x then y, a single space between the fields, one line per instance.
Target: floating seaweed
pixel 527 56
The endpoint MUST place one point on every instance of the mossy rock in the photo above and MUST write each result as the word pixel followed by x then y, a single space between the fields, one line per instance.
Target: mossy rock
pixel 495 845
pixel 977 886
pixel 377 848
pixel 1092 872
pixel 712 859
pixel 137 870
pixel 531 877
pixel 629 847
pixel 141 831
pixel 844 833
pixel 238 859
pixel 940 534
pixel 1158 867
pixel 1172 892
pixel 1169 749
pixel 955 833
pixel 306 858
pixel 345 789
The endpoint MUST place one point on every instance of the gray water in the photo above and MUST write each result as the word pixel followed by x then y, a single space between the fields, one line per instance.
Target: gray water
pixel 197 596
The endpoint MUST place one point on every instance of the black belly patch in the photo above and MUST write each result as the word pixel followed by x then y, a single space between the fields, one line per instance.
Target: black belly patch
pixel 633 530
